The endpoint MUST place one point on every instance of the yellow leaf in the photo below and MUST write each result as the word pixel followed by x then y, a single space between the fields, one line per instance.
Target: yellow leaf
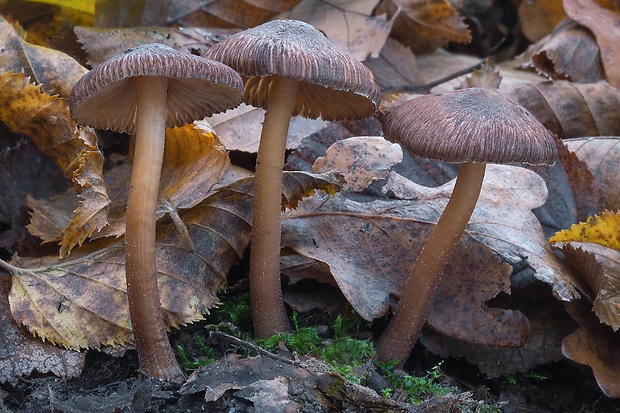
pixel 87 6
pixel 602 230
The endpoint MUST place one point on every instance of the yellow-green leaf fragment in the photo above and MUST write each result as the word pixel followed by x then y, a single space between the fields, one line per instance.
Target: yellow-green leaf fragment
pixel 603 230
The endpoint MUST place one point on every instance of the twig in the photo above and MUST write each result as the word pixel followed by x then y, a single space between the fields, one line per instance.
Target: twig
pixel 253 347
pixel 425 88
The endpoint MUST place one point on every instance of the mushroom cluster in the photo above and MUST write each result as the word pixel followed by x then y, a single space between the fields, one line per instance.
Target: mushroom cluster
pixel 144 91
pixel 471 127
pixel 289 68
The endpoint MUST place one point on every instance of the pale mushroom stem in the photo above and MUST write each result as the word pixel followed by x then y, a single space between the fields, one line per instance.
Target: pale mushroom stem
pixel 268 310
pixel 398 339
pixel 155 354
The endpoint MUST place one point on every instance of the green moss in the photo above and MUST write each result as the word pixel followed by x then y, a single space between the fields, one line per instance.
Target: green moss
pixel 235 311
pixel 531 376
pixel 192 363
pixel 416 388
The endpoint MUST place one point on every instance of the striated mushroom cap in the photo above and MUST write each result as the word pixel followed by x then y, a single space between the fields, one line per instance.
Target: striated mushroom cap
pixel 471 125
pixel 105 98
pixel 332 86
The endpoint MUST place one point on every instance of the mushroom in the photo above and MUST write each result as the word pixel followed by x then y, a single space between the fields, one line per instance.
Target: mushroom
pixel 289 69
pixel 144 91
pixel 471 127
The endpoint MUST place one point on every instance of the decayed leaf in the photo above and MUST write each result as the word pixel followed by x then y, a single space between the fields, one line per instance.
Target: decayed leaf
pixel 54 71
pixel 240 129
pixel 572 110
pixel 227 13
pixel 102 44
pixel 82 302
pixel 194 161
pixel 602 155
pixel 604 24
pixel 21 354
pixel 599 268
pixel 594 345
pixel 602 230
pixel 570 53
pixel 268 381
pixel 45 120
pixel 425 25
pixel 348 24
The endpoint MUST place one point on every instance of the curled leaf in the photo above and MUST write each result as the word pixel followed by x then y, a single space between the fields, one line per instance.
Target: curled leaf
pixel 599 269
pixel 570 53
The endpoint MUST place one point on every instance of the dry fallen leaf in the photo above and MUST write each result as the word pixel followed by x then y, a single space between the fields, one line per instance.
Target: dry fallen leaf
pixel 382 238
pixel 604 24
pixel 21 354
pixel 361 160
pixel 486 76
pixel 194 161
pixel 81 302
pixel 227 13
pixel 240 129
pixel 572 110
pixel 424 25
pixel 350 25
pixel 594 345
pixel 574 192
pixel 599 269
pixel 102 44
pixel 602 155
pixel 569 53
pixel 548 325
pixel 395 67
pixel 45 120
pixel 54 71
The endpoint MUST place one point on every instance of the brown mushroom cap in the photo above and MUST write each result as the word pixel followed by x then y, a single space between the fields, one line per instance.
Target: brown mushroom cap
pixel 105 98
pixel 471 125
pixel 333 85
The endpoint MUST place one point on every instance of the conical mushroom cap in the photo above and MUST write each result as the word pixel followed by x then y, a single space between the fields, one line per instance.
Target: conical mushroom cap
pixel 470 125
pixel 105 98
pixel 333 85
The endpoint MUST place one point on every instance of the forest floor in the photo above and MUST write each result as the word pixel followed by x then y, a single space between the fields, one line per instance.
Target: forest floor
pixel 238 376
